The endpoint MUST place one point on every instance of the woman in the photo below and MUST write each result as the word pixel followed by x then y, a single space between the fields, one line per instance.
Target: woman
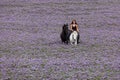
pixel 74 27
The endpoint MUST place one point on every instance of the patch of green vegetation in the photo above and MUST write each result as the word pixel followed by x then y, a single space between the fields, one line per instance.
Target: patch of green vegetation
pixel 62 49
pixel 24 66
pixel 5 51
pixel 97 78
pixel 42 65
pixel 113 17
pixel 95 45
pixel 112 24
pixel 43 50
pixel 11 5
pixel 83 48
pixel 91 70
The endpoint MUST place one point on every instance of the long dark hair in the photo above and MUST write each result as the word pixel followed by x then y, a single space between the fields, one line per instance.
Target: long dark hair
pixel 74 20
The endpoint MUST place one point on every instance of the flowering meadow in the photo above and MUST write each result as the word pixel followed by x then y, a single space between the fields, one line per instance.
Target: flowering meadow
pixel 31 48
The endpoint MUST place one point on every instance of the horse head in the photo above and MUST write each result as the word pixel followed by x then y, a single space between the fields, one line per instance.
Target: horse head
pixel 65 28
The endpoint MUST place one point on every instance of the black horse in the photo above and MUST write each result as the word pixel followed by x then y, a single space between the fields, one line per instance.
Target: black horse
pixel 65 34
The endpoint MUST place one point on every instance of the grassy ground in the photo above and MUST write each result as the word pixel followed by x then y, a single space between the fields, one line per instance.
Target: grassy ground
pixel 31 49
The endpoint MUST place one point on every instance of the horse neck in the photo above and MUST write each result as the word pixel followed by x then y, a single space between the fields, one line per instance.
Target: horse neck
pixel 66 31
pixel 74 34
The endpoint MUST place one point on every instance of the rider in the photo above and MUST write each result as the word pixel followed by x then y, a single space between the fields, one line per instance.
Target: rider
pixel 74 27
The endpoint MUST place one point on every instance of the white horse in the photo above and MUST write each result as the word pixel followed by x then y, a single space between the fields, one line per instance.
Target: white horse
pixel 73 37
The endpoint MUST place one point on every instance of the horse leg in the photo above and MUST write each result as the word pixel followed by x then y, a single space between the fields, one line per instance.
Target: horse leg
pixel 78 38
pixel 71 42
pixel 76 42
pixel 67 42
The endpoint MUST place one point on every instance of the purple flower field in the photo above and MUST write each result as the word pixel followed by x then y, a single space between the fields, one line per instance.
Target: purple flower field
pixel 31 48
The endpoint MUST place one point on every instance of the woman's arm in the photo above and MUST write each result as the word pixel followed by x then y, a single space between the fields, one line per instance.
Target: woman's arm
pixel 77 28
pixel 71 27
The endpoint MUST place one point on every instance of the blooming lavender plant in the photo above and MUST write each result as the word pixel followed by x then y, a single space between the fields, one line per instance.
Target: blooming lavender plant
pixel 31 49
